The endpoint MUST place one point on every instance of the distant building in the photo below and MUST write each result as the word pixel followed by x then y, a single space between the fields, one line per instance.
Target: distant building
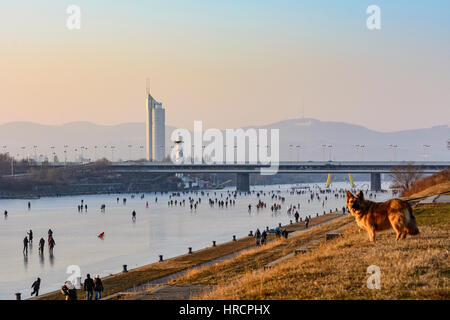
pixel 156 128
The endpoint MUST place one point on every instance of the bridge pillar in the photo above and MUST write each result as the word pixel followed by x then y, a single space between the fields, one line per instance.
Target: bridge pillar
pixel 375 181
pixel 243 182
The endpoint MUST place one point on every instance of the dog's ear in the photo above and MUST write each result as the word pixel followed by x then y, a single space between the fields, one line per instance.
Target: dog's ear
pixel 360 195
pixel 349 195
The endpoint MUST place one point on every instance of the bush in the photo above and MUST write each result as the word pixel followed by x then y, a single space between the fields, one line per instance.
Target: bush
pixel 424 183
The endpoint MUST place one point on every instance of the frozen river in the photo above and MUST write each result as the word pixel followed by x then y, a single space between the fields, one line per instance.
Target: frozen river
pixel 159 229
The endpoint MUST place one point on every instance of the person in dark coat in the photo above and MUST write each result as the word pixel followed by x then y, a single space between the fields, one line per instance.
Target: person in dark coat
pixel 51 243
pixel 41 245
pixel 89 287
pixel 98 287
pixel 258 237
pixel 263 237
pixel 36 285
pixel 25 245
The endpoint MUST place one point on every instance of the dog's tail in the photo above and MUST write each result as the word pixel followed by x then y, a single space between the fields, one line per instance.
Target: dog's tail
pixel 411 225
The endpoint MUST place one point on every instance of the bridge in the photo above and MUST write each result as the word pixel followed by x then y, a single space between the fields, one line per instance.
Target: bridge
pixel 243 170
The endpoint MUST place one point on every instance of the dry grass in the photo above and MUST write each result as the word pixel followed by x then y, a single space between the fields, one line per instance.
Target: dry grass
pixel 254 259
pixel 441 188
pixel 435 184
pixel 416 268
pixel 142 275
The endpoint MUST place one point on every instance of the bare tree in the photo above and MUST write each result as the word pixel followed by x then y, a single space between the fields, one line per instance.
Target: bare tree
pixel 403 177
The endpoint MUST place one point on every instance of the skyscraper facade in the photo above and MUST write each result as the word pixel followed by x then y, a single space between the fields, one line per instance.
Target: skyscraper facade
pixel 156 126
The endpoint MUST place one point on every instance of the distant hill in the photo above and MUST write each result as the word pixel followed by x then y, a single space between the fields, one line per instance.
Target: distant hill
pixel 309 134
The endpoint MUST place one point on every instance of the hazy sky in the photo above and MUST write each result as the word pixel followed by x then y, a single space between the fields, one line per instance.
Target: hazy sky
pixel 228 63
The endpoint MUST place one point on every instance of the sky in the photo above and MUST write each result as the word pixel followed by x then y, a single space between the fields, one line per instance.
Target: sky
pixel 228 63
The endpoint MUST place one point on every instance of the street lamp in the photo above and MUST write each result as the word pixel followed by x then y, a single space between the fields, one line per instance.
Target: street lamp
pixel 35 156
pixel 298 153
pixel 425 146
pixel 394 151
pixel 23 153
pixel 112 153
pixel 323 151
pixel 257 153
pixel 330 148
pixel 65 154
pixel 129 152
pixel 356 153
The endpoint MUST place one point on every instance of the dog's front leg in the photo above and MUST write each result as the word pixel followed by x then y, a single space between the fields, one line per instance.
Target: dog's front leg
pixel 371 235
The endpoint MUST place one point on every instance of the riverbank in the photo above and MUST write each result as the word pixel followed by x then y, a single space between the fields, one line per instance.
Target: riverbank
pixel 141 275
pixel 415 268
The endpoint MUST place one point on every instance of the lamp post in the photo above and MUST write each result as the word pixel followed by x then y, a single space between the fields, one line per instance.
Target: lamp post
pixel 425 146
pixel 225 152
pixel 323 151
pixel 65 154
pixel 298 153
pixel 23 153
pixel 257 153
pixel 356 153
pixel 112 153
pixel 129 152
pixel 329 148
pixel 394 151
pixel 53 152
pixel 142 152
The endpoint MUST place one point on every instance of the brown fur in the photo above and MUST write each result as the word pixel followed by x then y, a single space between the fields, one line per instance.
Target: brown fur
pixel 377 216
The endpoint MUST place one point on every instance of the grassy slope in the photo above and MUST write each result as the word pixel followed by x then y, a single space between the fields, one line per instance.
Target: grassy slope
pixel 441 188
pixel 253 259
pixel 415 268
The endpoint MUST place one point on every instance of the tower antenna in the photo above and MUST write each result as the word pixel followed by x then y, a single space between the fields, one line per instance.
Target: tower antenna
pixel 147 86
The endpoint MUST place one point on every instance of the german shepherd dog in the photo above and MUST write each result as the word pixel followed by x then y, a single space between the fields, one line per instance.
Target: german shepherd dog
pixel 378 216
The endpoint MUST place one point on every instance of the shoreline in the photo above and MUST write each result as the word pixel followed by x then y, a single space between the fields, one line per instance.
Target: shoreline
pixel 34 196
pixel 147 273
